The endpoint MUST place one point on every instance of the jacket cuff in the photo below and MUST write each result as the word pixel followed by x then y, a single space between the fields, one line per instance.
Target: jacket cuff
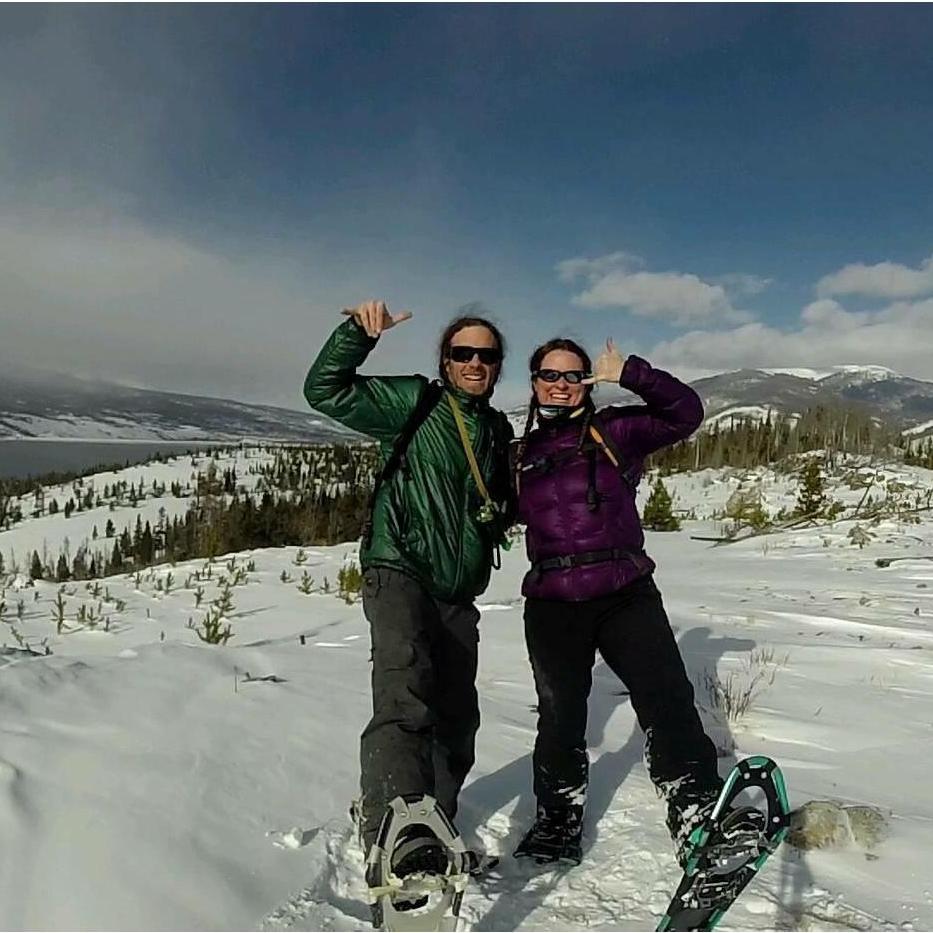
pixel 634 372
pixel 353 327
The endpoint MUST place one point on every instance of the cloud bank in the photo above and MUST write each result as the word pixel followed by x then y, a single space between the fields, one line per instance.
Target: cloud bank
pixel 681 298
pixel 897 336
pixel 881 280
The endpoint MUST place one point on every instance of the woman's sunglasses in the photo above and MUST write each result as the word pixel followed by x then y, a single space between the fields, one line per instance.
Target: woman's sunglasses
pixel 573 376
pixel 489 356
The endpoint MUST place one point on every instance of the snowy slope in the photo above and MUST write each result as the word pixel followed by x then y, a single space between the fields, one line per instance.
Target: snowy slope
pixel 146 782
pixel 50 405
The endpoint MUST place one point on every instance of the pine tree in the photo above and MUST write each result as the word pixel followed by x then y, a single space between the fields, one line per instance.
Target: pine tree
pixel 62 572
pixel 78 566
pixel 146 550
pixel 35 567
pixel 658 513
pixel 811 494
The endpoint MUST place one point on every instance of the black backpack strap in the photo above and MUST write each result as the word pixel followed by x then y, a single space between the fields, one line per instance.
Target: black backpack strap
pixel 629 472
pixel 431 393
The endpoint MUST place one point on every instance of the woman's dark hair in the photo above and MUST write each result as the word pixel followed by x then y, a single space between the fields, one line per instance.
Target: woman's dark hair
pixel 559 343
pixel 454 328
pixel 534 364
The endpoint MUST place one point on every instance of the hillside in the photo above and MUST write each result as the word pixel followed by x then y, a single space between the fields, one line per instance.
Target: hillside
pixel 72 408
pixel 165 783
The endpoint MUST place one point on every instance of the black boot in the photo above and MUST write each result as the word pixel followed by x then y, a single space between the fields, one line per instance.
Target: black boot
pixel 555 836
pixel 418 851
pixel 689 805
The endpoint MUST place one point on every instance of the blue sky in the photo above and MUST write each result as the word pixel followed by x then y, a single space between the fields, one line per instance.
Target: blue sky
pixel 188 194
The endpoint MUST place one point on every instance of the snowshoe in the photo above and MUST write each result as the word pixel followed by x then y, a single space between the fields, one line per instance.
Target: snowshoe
pixel 722 855
pixel 417 869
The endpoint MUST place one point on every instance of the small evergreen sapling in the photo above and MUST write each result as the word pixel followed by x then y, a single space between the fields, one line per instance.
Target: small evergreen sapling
pixel 658 513
pixel 811 493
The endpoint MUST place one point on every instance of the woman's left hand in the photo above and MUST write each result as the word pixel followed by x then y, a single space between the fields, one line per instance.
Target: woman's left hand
pixel 608 366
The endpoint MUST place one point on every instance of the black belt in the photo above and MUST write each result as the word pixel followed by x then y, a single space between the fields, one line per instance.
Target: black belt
pixel 586 557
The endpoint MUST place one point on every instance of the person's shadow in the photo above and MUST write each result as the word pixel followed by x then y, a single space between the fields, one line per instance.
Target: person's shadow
pixel 702 652
pixel 795 881
pixel 492 793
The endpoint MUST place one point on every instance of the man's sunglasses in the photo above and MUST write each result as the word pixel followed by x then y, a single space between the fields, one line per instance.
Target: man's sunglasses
pixel 489 356
pixel 573 376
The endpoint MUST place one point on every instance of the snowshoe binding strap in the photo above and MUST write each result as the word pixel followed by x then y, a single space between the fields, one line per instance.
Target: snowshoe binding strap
pixel 388 891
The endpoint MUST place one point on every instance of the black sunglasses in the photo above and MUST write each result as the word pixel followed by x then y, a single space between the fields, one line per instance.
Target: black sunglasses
pixel 573 376
pixel 489 356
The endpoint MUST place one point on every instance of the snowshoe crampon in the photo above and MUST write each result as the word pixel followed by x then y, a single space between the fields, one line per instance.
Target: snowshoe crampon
pixel 725 853
pixel 417 869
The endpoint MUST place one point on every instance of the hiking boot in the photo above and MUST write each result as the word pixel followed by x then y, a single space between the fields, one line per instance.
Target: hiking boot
pixel 555 836
pixel 418 851
pixel 688 808
pixel 738 839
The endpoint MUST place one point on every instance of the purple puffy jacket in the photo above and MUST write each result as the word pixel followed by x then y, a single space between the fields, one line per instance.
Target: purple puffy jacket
pixel 552 500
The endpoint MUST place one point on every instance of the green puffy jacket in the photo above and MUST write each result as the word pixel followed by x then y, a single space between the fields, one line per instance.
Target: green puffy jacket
pixel 424 519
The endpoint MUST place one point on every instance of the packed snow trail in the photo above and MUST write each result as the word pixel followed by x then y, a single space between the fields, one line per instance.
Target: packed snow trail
pixel 621 885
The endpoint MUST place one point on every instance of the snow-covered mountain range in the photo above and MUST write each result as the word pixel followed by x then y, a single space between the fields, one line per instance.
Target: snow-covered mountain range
pixel 67 407
pixel 899 400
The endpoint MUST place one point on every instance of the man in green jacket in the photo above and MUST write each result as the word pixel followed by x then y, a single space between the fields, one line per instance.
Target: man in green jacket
pixel 436 523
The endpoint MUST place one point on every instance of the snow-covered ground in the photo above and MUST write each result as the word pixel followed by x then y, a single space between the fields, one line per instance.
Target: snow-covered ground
pixel 151 781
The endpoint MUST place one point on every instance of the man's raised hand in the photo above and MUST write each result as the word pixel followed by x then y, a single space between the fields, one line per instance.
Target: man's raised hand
pixel 374 317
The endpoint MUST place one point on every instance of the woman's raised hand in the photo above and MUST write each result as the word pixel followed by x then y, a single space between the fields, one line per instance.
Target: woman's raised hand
pixel 608 365
pixel 374 317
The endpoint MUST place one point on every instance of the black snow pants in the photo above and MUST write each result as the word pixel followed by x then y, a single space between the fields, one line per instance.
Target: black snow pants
pixel 631 631
pixel 420 739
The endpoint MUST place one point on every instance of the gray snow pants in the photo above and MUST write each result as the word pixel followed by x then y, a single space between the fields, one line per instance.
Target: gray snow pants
pixel 420 739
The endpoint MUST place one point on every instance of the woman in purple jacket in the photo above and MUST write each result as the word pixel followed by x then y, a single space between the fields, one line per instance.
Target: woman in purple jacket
pixel 590 588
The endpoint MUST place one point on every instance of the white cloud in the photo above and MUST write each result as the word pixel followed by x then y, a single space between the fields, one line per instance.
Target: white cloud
pixel 898 336
pixel 95 292
pixel 616 281
pixel 676 295
pixel 104 296
pixel 740 283
pixel 828 315
pixel 882 280
pixel 592 269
